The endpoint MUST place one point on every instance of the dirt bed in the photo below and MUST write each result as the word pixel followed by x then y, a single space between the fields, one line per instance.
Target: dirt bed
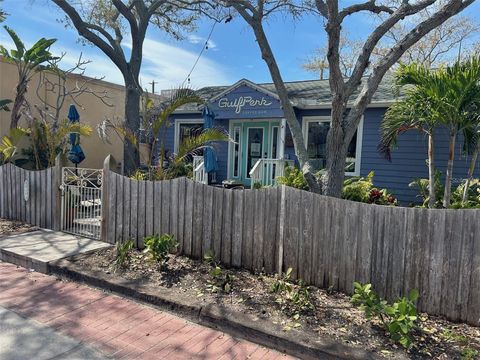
pixel 8 227
pixel 331 315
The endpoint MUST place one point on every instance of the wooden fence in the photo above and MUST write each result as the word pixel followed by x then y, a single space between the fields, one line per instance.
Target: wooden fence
pixel 328 242
pixel 31 196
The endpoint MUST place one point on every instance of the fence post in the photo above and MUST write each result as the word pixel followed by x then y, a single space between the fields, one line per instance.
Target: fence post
pixel 281 235
pixel 108 165
pixel 56 184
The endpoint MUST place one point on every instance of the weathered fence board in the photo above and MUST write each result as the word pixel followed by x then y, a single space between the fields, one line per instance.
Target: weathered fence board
pixel 40 208
pixel 328 242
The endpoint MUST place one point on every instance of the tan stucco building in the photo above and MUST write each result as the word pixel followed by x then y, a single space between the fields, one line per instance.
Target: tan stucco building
pixel 92 110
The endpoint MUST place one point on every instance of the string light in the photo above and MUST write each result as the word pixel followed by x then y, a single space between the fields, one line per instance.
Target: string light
pixel 205 47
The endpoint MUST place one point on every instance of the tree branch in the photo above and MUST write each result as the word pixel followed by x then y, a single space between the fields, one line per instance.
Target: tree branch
pixel 370 6
pixel 84 30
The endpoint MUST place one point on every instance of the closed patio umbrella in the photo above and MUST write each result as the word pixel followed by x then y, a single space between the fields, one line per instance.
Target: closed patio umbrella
pixel 209 157
pixel 75 155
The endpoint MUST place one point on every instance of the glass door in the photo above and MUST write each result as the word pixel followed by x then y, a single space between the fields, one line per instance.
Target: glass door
pixel 252 141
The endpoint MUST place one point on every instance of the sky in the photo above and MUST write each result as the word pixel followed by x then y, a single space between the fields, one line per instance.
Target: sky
pixel 232 53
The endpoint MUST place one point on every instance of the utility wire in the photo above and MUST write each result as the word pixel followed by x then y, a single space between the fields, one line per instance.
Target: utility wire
pixel 205 47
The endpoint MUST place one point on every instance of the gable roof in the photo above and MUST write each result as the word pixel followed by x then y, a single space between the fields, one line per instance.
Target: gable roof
pixel 244 82
pixel 302 94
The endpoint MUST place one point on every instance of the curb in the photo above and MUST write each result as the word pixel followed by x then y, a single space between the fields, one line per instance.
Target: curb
pixel 240 325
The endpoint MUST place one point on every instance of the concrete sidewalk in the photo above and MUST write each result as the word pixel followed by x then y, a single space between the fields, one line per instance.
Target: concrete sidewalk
pixel 119 328
pixel 35 249
pixel 22 339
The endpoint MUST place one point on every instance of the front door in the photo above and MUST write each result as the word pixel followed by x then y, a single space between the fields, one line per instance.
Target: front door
pixel 252 142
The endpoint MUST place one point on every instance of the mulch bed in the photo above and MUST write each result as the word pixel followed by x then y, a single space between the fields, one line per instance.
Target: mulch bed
pixel 8 227
pixel 331 316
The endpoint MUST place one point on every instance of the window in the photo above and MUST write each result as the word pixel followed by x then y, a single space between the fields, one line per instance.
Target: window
pixel 315 133
pixel 186 128
pixel 236 152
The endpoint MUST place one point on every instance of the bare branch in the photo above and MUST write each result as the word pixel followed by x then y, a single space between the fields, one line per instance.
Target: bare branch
pixel 370 6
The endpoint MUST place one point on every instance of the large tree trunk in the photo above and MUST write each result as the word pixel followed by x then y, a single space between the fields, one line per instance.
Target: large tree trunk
pixel 131 156
pixel 18 103
pixel 449 175
pixel 289 112
pixel 471 169
pixel 431 172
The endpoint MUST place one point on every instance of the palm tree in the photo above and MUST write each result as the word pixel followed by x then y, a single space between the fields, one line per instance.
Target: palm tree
pixel 28 62
pixel 155 122
pixel 447 96
pixel 414 112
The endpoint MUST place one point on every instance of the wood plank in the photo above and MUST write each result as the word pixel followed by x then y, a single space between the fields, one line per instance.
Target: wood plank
pixel 271 237
pixel 43 197
pixel 157 220
pixel 306 236
pixel 174 188
pixel 437 226
pixel 134 213
pixel 364 244
pixel 292 231
pixel 111 180
pixel 8 181
pixel 465 271
pixel 189 206
pixel 2 193
pixel 259 230
pixel 141 210
pixel 182 191
pixel 473 313
pixel 218 219
pixel 249 214
pixel 207 243
pixel 237 228
pixel 165 207
pixel 227 231
pixel 38 198
pixel 127 208
pixel 352 238
pixel 197 233
pixel 29 203
pixel 119 208
pixel 149 208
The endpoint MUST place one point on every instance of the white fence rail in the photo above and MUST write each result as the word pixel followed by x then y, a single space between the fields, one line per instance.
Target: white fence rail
pixel 266 171
pixel 199 173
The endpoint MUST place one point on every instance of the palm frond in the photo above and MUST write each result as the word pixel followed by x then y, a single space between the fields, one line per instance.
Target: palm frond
pixel 193 144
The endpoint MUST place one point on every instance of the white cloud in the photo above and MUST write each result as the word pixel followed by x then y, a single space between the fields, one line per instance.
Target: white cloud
pixel 195 39
pixel 167 64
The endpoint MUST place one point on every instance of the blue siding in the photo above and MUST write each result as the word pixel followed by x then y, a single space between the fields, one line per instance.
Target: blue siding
pixel 408 158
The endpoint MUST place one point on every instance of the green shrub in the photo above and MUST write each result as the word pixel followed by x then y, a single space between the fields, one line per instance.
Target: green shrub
pixel 293 177
pixel 159 246
pixel 294 297
pixel 398 318
pixel 122 251
pixel 422 185
pixel 361 189
pixel 473 196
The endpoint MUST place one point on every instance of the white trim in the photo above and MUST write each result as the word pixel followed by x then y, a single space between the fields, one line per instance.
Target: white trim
pixel 358 149
pixel 242 121
pixel 246 83
pixel 178 122
pixel 312 105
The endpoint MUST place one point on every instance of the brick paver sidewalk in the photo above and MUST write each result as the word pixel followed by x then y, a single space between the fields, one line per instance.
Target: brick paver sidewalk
pixel 116 326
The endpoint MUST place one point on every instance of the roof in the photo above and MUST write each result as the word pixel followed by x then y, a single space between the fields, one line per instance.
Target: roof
pixel 308 93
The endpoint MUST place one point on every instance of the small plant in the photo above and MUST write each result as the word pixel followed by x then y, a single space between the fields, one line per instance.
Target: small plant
pixel 469 353
pixel 219 281
pixel 361 189
pixel 290 296
pixel 293 177
pixel 159 246
pixel 399 318
pixel 122 250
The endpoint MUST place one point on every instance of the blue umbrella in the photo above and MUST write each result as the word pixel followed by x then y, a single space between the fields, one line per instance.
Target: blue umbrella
pixel 209 158
pixel 75 155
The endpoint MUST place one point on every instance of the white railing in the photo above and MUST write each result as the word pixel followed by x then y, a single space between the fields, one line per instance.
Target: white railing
pixel 199 173
pixel 266 171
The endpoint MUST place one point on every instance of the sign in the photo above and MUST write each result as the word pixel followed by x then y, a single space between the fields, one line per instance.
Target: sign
pixel 240 102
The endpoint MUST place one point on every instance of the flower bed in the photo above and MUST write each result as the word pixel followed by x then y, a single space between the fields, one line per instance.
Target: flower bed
pixel 317 312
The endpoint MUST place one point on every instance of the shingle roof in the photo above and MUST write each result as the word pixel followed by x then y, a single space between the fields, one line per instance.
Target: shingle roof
pixel 308 92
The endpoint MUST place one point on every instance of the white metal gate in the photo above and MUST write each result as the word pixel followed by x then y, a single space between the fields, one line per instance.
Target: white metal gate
pixel 82 201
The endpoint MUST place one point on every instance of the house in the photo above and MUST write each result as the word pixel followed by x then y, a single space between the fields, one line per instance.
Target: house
pixel 253 116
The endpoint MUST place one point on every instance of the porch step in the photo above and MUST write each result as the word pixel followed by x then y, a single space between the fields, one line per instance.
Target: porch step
pixel 34 250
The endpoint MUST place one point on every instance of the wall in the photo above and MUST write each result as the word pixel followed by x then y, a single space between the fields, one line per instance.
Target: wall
pixel 92 112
